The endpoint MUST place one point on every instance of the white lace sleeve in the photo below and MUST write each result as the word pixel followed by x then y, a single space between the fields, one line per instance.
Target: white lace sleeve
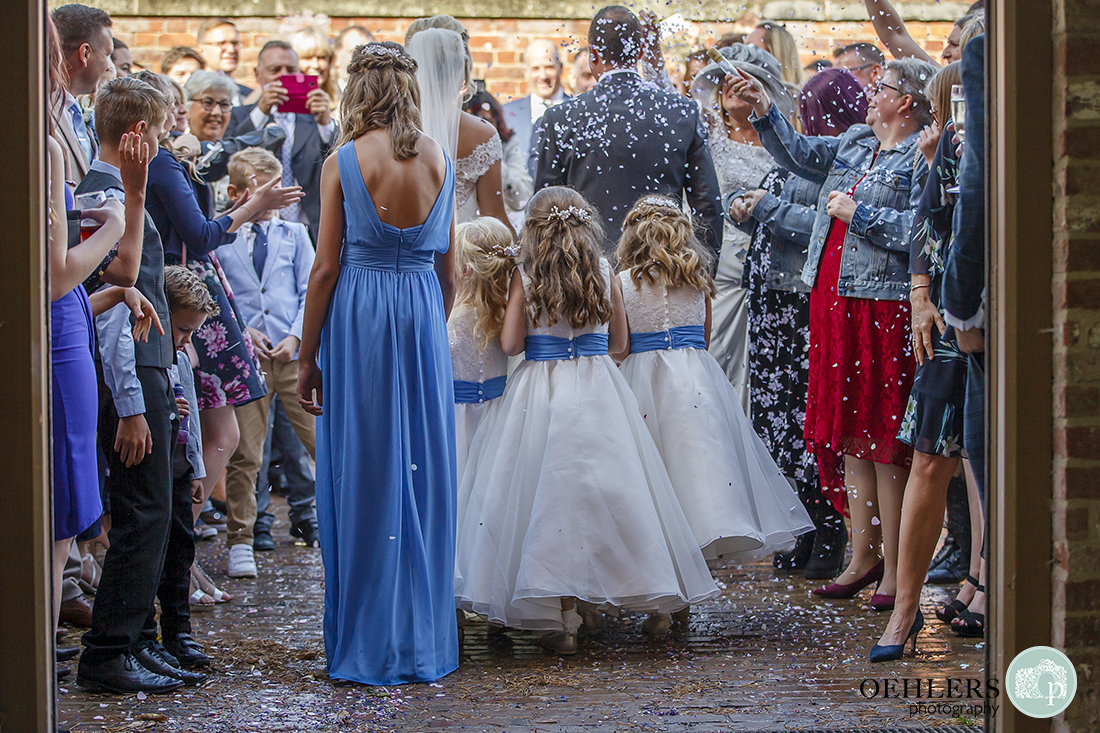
pixel 475 165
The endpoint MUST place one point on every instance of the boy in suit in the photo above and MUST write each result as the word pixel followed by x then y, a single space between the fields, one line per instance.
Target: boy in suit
pixel 137 428
pixel 268 266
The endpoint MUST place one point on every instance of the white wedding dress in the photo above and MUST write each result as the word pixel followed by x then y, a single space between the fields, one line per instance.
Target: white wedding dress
pixel 467 172
pixel 738 503
pixel 567 496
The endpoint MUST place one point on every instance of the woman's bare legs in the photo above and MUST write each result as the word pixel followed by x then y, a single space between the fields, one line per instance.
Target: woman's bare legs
pixel 890 483
pixel 861 484
pixel 60 557
pixel 220 434
pixel 921 519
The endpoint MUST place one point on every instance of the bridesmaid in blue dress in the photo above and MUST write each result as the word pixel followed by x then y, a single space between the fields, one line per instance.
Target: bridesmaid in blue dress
pixel 375 355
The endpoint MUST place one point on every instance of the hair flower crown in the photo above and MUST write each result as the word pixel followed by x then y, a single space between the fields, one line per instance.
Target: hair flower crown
pixel 570 213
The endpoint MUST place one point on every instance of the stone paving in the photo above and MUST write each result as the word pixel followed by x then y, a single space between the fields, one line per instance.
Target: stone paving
pixel 763 656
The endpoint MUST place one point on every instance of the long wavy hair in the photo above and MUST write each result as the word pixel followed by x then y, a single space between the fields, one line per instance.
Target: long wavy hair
pixel 485 257
pixel 658 245
pixel 382 93
pixel 560 253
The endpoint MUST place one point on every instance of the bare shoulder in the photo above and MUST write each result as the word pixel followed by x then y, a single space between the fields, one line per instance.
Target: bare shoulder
pixel 477 128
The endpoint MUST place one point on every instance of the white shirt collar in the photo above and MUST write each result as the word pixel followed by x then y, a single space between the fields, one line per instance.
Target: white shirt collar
pixel 612 72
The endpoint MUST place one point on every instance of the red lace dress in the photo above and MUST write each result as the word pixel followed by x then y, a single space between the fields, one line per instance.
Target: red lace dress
pixel 861 373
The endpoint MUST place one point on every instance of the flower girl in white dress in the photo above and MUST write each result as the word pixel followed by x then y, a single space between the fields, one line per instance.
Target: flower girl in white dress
pixel 568 496
pixel 738 503
pixel 485 257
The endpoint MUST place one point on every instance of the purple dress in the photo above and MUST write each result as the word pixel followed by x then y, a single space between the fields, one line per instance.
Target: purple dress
pixel 76 500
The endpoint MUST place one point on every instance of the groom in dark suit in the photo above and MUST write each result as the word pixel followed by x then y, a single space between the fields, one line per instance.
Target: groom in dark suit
pixel 627 138
pixel 307 135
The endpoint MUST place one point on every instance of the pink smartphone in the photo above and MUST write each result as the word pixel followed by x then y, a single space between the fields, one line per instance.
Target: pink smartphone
pixel 297 87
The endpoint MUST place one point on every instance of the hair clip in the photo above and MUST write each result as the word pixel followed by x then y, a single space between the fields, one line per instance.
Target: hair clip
pixel 570 213
pixel 511 250
pixel 658 201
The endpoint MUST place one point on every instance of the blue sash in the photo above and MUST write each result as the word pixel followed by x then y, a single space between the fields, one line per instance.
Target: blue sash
pixel 681 337
pixel 474 392
pixel 552 348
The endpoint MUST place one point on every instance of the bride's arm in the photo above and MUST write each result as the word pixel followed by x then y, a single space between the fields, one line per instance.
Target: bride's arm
pixel 322 282
pixel 490 196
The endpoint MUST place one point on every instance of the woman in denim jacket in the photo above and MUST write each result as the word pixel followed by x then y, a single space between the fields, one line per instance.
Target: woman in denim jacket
pixel 780 216
pixel 861 368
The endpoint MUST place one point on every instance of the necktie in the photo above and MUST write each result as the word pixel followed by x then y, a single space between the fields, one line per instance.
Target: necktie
pixel 81 130
pixel 290 213
pixel 259 249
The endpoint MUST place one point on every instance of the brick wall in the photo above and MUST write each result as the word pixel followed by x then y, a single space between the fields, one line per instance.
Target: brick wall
pixel 1076 612
pixel 497 44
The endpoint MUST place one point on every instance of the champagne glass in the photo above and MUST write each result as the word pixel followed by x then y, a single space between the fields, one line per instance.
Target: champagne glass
pixel 958 117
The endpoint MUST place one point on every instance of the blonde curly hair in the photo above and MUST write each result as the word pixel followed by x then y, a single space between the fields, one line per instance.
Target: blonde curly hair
pixel 485 257
pixel 560 252
pixel 659 245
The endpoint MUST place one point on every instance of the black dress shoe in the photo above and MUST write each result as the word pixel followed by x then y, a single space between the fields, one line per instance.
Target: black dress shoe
pixel 186 650
pixel 306 532
pixel 827 559
pixel 150 656
pixel 262 541
pixel 950 569
pixel 797 558
pixel 65 653
pixel 123 674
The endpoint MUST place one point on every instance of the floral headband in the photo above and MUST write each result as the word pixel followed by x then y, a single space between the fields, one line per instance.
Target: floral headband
pixel 657 201
pixel 570 213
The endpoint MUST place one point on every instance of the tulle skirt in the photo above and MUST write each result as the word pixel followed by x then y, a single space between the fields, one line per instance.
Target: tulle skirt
pixel 738 504
pixel 567 496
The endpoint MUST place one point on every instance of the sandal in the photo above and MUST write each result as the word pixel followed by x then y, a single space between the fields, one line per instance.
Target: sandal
pixel 972 625
pixel 198 597
pixel 202 580
pixel 90 573
pixel 951 610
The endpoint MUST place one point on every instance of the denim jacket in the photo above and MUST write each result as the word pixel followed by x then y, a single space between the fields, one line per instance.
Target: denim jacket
pixel 874 263
pixel 790 220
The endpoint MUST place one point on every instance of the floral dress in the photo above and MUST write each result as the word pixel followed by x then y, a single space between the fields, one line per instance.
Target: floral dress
pixel 933 421
pixel 779 356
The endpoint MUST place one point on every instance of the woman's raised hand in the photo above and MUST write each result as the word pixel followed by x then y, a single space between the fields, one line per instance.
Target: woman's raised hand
pixel 748 90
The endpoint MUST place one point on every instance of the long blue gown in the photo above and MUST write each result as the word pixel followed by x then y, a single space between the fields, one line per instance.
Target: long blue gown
pixel 386 488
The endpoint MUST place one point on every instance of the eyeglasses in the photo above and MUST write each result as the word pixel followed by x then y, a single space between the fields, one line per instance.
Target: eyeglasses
pixel 860 68
pixel 209 103
pixel 222 44
pixel 877 87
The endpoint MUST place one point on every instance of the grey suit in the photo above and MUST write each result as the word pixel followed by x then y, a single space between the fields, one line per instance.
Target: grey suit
pixel 77 163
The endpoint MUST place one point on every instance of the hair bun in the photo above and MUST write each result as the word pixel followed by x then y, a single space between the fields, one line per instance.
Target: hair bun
pixel 381 55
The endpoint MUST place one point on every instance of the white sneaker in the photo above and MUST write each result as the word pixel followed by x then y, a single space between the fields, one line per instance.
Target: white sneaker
pixel 242 564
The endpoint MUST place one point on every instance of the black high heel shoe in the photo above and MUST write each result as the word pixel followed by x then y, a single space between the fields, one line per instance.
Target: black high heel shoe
pixel 891 652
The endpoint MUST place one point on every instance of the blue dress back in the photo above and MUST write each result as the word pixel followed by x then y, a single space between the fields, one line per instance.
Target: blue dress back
pixel 386 448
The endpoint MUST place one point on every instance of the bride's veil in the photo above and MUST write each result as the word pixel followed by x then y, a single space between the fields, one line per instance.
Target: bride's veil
pixel 441 58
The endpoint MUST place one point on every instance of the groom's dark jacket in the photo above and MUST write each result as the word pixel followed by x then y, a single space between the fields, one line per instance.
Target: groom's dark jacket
pixel 627 138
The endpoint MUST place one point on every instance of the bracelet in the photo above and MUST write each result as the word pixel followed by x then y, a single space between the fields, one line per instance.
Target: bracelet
pixel 919 286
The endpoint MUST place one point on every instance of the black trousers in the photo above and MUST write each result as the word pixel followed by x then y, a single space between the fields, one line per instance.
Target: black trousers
pixel 141 511
pixel 174 592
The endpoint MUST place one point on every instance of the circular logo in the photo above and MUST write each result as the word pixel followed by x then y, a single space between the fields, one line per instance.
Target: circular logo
pixel 1041 682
